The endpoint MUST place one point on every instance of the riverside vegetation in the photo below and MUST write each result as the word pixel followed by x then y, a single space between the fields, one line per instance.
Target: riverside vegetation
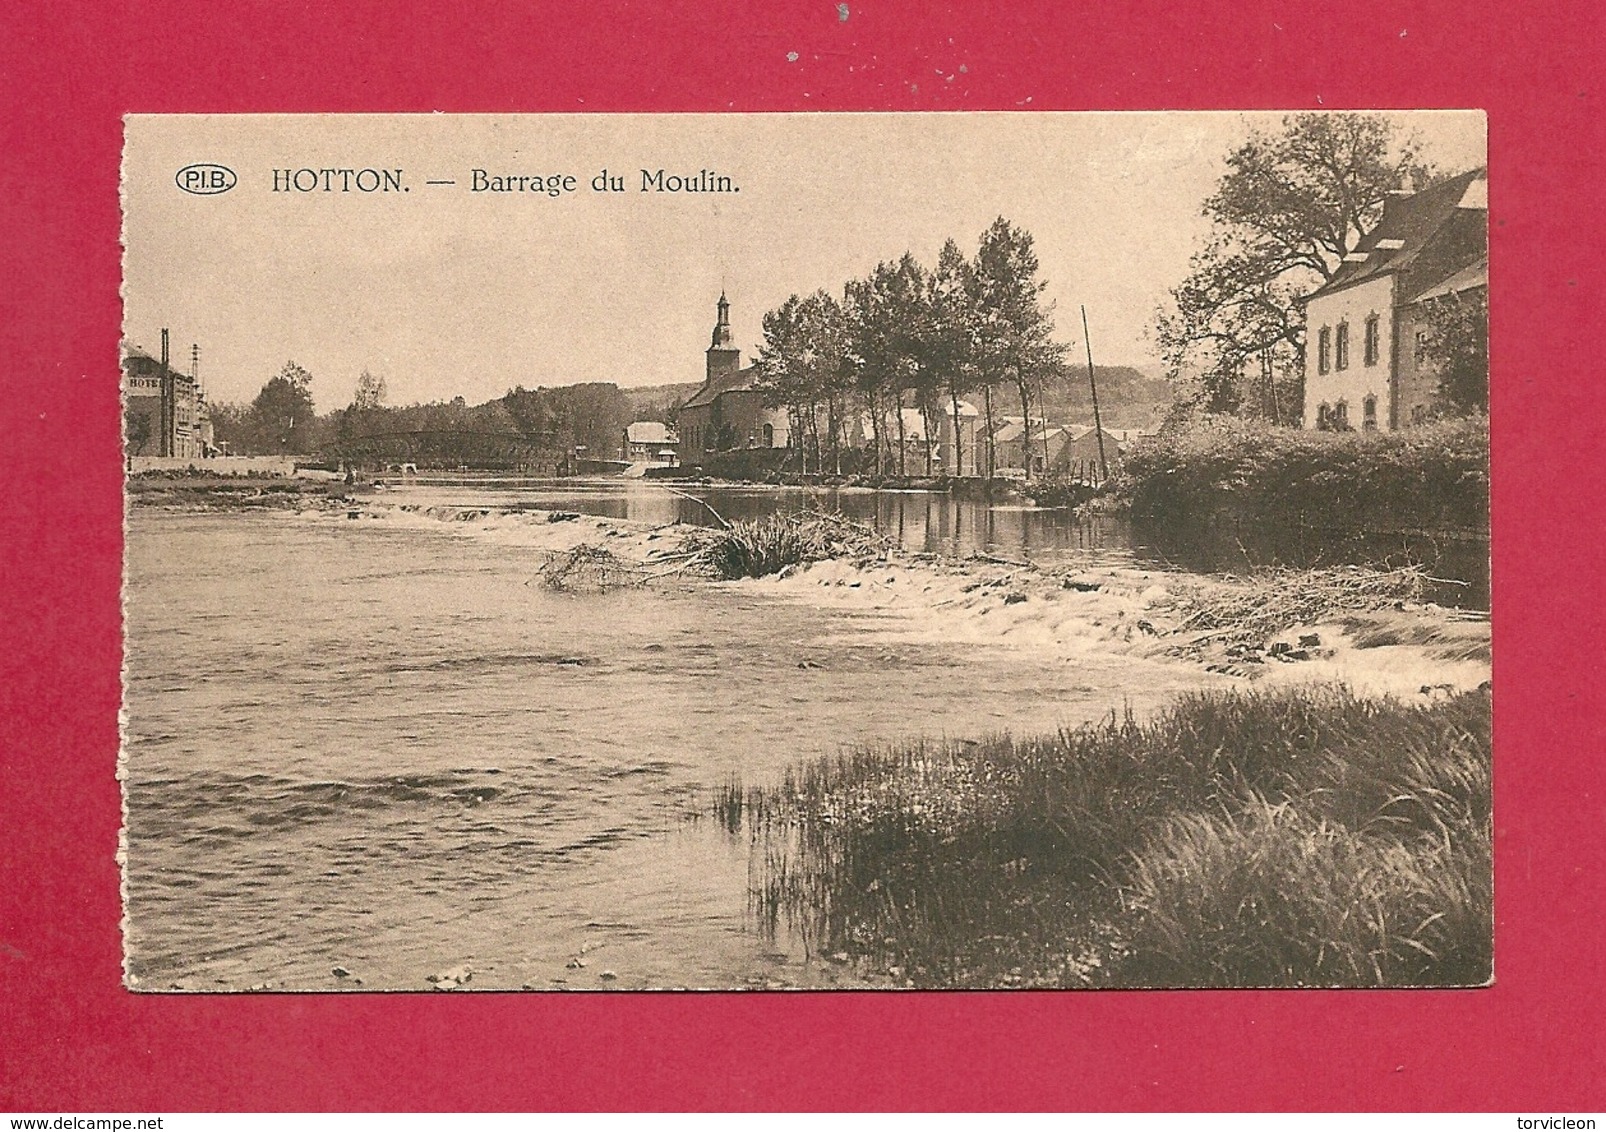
pixel 1300 836
pixel 1430 478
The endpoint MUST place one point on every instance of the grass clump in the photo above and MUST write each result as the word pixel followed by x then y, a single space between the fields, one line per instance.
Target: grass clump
pixel 758 548
pixel 1298 836
pixel 1269 896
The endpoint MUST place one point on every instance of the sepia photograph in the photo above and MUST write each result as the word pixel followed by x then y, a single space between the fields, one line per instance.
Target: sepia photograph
pixel 833 551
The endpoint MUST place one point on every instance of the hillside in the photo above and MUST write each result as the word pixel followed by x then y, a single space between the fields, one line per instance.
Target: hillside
pixel 1129 397
pixel 657 402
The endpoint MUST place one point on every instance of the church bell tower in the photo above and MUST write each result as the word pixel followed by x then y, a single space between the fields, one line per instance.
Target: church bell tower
pixel 723 356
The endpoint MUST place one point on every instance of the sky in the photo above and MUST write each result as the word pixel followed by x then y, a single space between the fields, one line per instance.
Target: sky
pixel 447 292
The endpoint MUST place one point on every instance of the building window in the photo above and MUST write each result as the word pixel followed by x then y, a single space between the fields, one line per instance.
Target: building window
pixel 769 436
pixel 1324 349
pixel 1371 351
pixel 1341 347
pixel 1340 417
pixel 1421 346
pixel 1324 417
pixel 1369 414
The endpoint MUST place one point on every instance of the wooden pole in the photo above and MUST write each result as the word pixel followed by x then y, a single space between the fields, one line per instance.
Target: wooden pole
pixel 1093 387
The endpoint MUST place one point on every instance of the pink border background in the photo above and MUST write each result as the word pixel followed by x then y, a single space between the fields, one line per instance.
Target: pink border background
pixel 72 1039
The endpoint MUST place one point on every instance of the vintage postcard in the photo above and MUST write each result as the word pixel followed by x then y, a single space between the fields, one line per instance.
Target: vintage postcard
pixel 827 551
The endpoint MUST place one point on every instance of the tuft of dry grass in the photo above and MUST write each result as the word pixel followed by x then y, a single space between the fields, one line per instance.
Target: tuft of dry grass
pixel 586 568
pixel 1269 896
pixel 768 545
pixel 1250 609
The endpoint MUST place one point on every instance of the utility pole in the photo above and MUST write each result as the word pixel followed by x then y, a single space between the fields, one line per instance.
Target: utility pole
pixel 1093 387
pixel 168 411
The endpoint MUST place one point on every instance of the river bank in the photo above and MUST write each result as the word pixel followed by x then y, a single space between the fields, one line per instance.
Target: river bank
pixel 1294 836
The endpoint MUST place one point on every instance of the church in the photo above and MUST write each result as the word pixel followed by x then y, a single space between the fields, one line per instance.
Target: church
pixel 728 412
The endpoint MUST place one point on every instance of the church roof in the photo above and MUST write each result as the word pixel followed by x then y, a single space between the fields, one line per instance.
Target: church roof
pixel 1405 237
pixel 721 384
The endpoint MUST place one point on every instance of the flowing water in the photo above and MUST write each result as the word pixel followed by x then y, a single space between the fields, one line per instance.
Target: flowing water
pixel 375 746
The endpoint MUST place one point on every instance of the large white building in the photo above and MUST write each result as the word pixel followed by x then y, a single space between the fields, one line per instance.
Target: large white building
pixel 1366 364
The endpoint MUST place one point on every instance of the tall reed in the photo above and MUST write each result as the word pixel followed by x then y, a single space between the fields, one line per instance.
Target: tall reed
pixel 1292 836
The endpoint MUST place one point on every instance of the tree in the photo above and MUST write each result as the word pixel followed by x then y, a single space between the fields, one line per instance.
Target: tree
pixel 874 351
pixel 364 415
pixel 136 431
pixel 370 392
pixel 1456 344
pixel 801 368
pixel 283 416
pixel 886 328
pixel 233 426
pixel 1292 204
pixel 1015 327
pixel 953 333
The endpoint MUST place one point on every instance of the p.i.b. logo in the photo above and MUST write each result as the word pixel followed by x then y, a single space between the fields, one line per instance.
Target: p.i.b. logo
pixel 205 179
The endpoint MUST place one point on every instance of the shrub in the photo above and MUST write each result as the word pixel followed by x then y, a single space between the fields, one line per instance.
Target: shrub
pixel 1422 478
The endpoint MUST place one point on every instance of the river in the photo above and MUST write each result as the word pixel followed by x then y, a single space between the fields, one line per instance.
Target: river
pixel 375 747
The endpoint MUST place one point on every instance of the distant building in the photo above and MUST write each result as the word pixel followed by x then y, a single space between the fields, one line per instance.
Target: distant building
pixel 1077 454
pixel 1366 334
pixel 165 409
pixel 944 426
pixel 728 412
pixel 651 442
pixel 1010 451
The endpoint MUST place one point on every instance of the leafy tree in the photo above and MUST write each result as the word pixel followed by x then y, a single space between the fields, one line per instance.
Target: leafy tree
pixel 1015 326
pixel 801 367
pixel 283 416
pixel 364 416
pixel 370 392
pixel 1457 346
pixel 1293 202
pixel 886 324
pixel 232 427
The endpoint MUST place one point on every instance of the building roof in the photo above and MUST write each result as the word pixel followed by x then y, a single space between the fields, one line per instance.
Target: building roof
pixel 137 363
pixel 1469 278
pixel 1410 226
pixel 650 432
pixel 1077 431
pixel 721 384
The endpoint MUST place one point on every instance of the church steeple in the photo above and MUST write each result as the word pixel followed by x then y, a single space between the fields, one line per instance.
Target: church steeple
pixel 722 327
pixel 724 358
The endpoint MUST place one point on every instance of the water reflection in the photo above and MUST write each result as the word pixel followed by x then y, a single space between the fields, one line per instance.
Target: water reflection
pixel 918 520
pixel 942 524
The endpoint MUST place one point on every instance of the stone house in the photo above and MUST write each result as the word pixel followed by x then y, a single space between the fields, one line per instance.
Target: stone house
pixel 1366 363
pixel 650 442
